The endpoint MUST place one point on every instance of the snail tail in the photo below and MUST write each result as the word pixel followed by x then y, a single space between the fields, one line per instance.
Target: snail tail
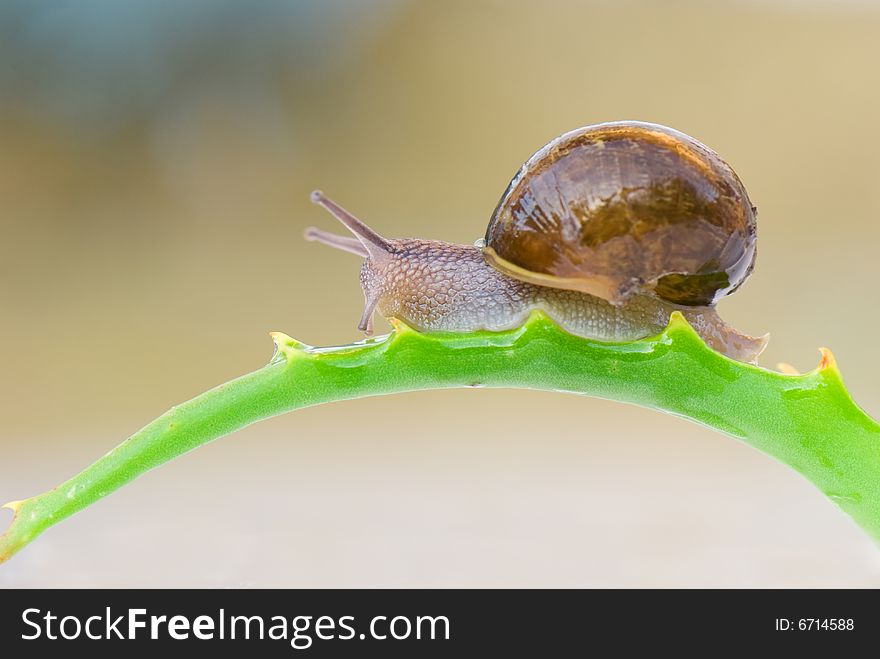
pixel 725 339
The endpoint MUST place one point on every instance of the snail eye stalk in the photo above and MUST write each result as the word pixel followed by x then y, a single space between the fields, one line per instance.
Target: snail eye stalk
pixel 375 245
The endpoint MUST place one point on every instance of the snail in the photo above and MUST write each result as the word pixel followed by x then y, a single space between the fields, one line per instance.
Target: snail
pixel 607 229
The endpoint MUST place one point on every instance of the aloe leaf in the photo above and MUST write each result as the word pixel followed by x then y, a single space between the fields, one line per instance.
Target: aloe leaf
pixel 808 421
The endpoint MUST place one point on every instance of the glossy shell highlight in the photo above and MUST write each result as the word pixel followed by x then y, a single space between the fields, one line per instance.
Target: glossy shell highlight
pixel 626 208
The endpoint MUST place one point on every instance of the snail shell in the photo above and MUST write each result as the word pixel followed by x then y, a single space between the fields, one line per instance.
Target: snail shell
pixel 626 208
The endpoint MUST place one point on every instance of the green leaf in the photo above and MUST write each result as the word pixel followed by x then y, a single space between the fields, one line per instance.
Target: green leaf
pixel 808 421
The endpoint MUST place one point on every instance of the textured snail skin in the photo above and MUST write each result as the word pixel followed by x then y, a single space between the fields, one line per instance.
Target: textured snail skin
pixel 438 286
pixel 624 208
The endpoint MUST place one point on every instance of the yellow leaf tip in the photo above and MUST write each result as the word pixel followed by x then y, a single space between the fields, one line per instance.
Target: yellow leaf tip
pixel 677 320
pixel 14 506
pixel 678 323
pixel 828 360
pixel 538 318
pixel 287 345
pixel 400 327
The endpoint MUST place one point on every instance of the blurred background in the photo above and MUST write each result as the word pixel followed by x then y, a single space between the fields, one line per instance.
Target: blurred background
pixel 155 164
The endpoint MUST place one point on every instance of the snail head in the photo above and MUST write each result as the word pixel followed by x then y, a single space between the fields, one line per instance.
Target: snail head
pixel 377 252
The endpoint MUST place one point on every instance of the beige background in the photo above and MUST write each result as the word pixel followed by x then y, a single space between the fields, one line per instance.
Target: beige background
pixel 155 165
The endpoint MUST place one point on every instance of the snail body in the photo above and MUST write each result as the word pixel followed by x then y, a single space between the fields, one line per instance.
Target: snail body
pixel 602 257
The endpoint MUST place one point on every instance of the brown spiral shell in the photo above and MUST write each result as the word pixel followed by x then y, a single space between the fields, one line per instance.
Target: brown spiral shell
pixel 622 208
